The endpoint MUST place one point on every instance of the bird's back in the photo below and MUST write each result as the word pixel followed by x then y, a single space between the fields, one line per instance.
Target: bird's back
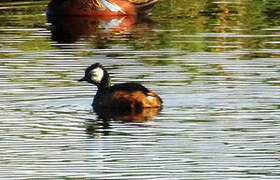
pixel 127 96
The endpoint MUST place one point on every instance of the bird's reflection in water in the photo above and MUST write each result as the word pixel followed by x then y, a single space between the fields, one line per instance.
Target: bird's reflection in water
pixel 70 29
pixel 101 125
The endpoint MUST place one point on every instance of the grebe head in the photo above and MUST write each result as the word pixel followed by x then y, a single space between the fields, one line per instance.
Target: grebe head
pixel 96 74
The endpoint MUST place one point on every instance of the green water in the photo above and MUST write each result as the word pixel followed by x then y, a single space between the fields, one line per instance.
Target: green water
pixel 215 64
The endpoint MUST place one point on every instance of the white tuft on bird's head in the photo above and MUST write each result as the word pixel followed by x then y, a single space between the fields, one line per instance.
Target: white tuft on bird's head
pixel 97 74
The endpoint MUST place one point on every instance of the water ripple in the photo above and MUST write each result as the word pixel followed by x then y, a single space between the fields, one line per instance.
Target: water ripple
pixel 220 87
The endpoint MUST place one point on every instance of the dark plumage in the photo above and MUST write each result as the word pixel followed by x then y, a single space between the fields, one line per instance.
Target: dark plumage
pixel 125 96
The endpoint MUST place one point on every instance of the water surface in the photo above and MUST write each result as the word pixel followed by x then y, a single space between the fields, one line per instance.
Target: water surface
pixel 215 64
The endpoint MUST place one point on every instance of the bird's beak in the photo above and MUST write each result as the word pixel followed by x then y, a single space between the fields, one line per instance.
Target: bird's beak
pixel 83 79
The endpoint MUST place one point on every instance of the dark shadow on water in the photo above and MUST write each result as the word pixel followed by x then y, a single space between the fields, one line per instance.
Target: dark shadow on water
pixel 104 116
pixel 70 29
pixel 97 127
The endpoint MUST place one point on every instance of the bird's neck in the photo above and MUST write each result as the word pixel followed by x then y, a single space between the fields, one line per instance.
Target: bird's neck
pixel 104 85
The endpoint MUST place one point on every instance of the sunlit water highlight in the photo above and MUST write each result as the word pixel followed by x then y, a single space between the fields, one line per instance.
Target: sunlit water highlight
pixel 221 96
